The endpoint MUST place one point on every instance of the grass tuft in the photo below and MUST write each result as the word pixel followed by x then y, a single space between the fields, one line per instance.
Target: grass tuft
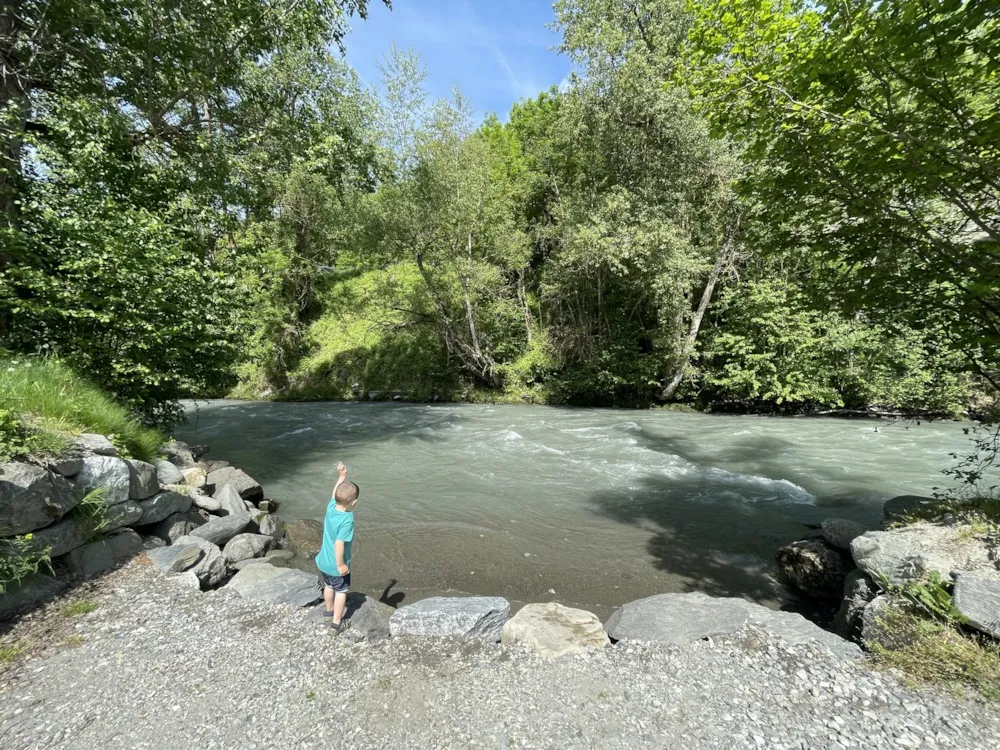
pixel 53 403
pixel 76 609
pixel 8 654
pixel 939 654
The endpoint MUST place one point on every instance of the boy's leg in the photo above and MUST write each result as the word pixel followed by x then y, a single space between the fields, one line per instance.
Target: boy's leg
pixel 339 603
pixel 328 594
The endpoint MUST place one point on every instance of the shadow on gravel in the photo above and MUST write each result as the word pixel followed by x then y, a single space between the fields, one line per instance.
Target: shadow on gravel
pixel 716 538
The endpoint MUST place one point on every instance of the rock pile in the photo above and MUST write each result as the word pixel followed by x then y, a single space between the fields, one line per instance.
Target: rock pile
pixel 865 571
pixel 209 516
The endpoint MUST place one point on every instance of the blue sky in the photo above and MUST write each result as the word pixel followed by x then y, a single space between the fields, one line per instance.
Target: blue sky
pixel 495 51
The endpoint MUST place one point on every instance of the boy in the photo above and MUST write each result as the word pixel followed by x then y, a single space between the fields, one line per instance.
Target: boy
pixel 334 558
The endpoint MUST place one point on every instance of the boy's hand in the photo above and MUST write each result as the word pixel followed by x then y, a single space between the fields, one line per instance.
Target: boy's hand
pixel 343 569
pixel 342 470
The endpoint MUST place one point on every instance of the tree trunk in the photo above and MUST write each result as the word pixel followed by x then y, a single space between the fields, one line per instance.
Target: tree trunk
pixel 15 108
pixel 725 256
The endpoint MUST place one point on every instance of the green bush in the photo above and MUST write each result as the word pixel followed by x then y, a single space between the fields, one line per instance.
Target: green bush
pixel 44 401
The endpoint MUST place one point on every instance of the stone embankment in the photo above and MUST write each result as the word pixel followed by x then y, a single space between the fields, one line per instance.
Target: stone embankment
pixel 923 542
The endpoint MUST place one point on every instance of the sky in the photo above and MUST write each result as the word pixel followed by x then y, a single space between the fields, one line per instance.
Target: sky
pixel 496 51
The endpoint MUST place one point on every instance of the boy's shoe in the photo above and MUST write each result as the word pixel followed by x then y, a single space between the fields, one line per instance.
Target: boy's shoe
pixel 336 626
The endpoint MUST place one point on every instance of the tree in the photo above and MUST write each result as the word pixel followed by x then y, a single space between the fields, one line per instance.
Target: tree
pixel 873 133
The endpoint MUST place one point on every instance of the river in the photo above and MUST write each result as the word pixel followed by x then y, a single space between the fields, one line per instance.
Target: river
pixel 588 507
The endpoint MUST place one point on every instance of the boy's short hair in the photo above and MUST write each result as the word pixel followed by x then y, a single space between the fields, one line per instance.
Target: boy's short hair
pixel 346 493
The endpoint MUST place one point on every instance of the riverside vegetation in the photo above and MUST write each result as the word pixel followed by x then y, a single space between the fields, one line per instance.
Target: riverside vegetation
pixel 746 204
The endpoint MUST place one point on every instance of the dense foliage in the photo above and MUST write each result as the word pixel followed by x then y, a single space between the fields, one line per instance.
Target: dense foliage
pixel 749 204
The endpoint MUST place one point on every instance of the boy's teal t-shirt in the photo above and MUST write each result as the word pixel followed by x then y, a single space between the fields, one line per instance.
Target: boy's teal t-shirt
pixel 339 524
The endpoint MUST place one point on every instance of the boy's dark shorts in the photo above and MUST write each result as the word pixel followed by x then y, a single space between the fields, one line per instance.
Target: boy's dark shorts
pixel 340 584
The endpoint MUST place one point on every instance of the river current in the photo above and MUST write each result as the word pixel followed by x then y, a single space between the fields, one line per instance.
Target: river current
pixel 589 507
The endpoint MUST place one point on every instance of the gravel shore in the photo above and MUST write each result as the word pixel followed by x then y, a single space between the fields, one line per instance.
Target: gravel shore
pixel 157 666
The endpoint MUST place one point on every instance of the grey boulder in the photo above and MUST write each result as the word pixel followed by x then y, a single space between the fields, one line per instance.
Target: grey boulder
pixel 677 619
pixel 29 594
pixel 272 526
pixel 123 514
pixel 195 476
pixel 95 443
pixel 96 557
pixel 230 502
pixel 885 624
pixel 176 558
pixel 163 505
pixel 152 542
pixel 246 546
pixel 859 590
pixel 206 502
pixel 211 566
pixel 552 630
pixel 220 530
pixel 176 525
pixel 977 597
pixel 32 497
pixel 912 553
pixel 364 618
pixel 143 482
pixel 167 473
pixel 59 538
pixel 840 532
pixel 247 487
pixel 906 507
pixel 813 567
pixel 266 583
pixel 478 617
pixel 108 472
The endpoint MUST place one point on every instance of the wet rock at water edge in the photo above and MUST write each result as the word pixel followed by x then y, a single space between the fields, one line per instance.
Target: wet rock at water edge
pixel 840 532
pixel 32 497
pixel 272 526
pixel 167 473
pixel 220 530
pixel 552 630
pixel 905 507
pixel 305 537
pixel 478 617
pixel 143 481
pixel 813 567
pixel 364 617
pixel 180 454
pixel 247 487
pixel 107 472
pixel 266 583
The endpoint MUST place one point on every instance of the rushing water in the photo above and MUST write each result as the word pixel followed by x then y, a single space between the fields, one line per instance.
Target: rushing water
pixel 584 506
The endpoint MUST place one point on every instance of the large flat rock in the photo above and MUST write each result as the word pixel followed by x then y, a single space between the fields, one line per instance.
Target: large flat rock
pixel 32 497
pixel 161 506
pixel 108 472
pixel 219 530
pixel 266 583
pixel 552 630
pixel 245 547
pixel 977 597
pixel 59 538
pixel 176 558
pixel 229 501
pixel 174 526
pixel 912 553
pixel 480 617
pixel 677 619
pixel 840 532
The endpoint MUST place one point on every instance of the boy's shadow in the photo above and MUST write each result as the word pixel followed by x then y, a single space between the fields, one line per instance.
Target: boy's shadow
pixel 393 600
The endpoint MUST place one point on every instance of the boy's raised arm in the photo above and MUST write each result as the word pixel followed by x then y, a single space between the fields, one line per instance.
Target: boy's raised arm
pixel 342 471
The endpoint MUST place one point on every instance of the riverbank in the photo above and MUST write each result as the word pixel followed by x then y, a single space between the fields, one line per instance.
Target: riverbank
pixel 155 665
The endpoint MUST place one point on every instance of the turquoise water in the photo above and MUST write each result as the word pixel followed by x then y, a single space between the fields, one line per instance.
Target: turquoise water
pixel 584 506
